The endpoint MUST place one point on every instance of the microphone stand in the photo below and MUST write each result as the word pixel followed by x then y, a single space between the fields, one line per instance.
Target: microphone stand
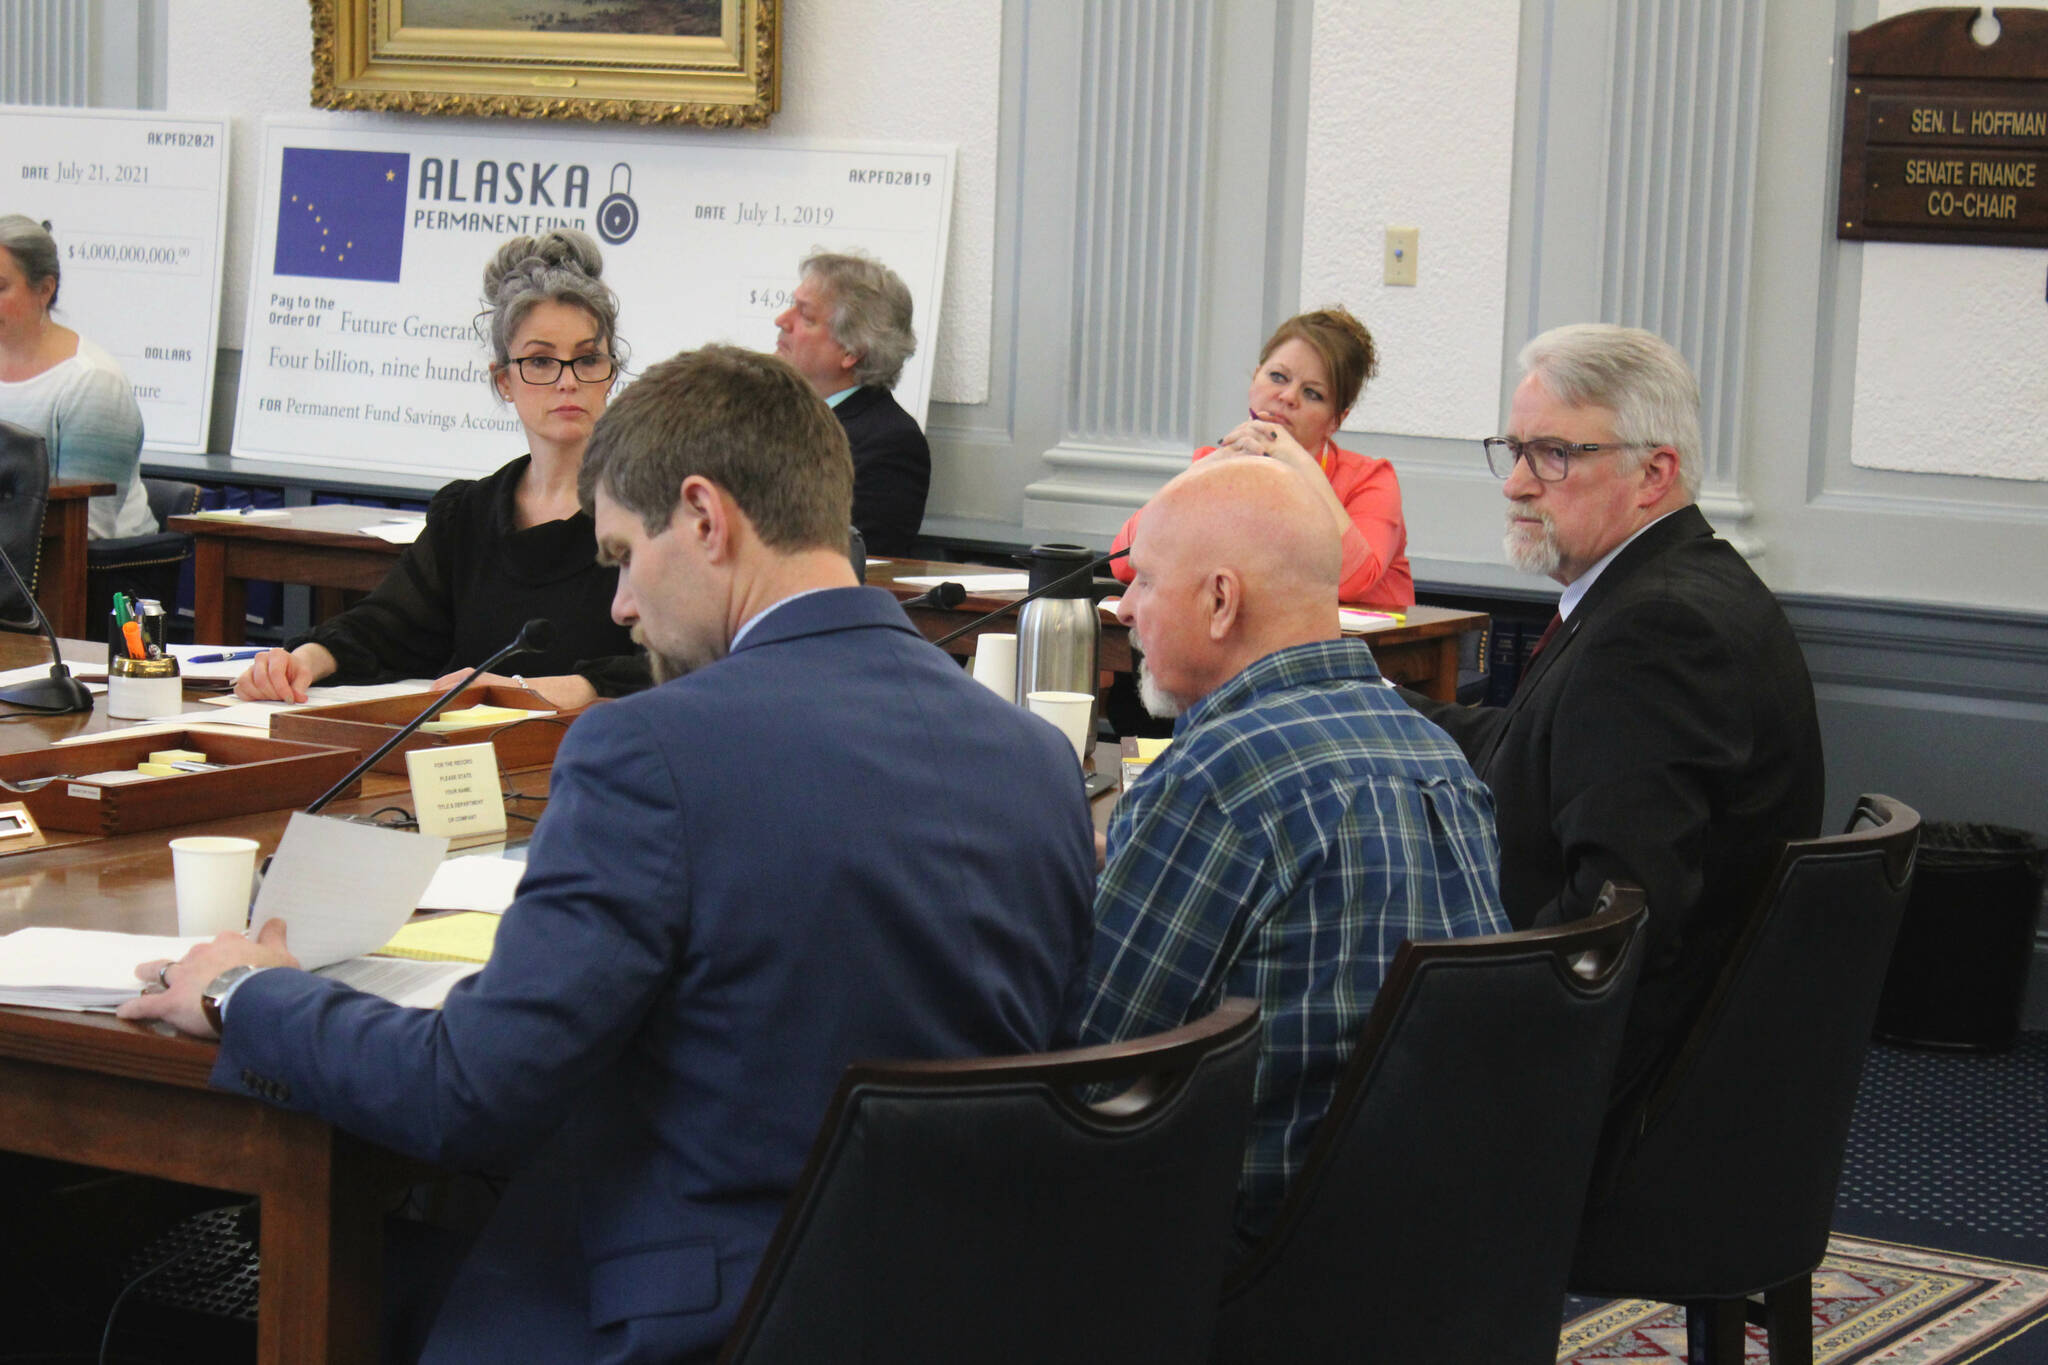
pixel 60 694
pixel 527 639
pixel 978 622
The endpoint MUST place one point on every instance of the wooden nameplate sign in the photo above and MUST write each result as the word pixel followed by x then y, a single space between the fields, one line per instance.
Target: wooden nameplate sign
pixel 254 773
pixel 1945 138
pixel 523 741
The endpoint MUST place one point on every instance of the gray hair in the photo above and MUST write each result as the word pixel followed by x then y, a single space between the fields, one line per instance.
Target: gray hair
pixel 1638 376
pixel 34 248
pixel 870 314
pixel 559 266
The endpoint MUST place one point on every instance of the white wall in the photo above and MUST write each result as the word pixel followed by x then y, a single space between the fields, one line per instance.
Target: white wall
pixel 1412 123
pixel 849 72
pixel 1950 347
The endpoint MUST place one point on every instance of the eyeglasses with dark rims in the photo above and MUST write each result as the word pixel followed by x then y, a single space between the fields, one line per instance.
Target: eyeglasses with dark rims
pixel 1549 458
pixel 546 369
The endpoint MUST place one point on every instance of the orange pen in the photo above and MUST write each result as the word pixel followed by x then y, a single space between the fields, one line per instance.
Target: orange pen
pixel 131 631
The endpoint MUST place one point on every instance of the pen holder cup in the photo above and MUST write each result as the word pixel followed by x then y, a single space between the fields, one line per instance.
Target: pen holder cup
pixel 144 689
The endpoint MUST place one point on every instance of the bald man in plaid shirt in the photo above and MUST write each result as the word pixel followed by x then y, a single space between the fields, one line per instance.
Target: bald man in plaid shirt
pixel 1303 823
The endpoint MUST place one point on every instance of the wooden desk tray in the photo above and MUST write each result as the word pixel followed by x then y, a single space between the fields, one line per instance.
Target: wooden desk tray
pixel 363 725
pixel 258 774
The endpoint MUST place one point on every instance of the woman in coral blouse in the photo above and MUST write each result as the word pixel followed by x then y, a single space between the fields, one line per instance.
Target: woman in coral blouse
pixel 1309 374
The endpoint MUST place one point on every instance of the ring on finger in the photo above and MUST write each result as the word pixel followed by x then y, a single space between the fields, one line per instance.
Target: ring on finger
pixel 163 977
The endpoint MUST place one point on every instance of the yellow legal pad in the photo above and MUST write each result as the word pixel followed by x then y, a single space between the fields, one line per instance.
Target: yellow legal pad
pixel 465 936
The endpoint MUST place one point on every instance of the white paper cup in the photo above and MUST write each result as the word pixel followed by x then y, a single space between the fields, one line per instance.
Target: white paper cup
pixel 995 664
pixel 1071 711
pixel 213 875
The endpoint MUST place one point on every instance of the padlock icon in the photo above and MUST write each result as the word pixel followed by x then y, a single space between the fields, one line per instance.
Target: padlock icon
pixel 618 217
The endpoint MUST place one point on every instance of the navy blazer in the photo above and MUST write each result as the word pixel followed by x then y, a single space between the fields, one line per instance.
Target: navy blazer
pixel 830 845
pixel 892 469
pixel 1666 736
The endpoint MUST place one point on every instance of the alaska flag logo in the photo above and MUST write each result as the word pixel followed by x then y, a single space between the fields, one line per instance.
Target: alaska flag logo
pixel 341 214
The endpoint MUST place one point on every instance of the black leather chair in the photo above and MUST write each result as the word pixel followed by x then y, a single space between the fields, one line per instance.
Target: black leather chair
pixel 1722 1183
pixel 980 1211
pixel 144 565
pixel 24 493
pixel 1435 1215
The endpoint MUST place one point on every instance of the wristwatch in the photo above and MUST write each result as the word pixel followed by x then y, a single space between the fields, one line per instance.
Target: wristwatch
pixel 217 990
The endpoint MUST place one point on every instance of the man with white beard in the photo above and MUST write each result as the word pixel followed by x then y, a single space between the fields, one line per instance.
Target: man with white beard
pixel 1664 730
pixel 1303 823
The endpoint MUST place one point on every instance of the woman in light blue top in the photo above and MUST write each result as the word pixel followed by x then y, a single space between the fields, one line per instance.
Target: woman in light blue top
pixel 55 382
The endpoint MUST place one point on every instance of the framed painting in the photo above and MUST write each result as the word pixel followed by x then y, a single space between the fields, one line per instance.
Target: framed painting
pixel 716 63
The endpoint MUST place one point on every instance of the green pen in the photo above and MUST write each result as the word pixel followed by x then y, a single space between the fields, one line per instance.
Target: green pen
pixel 122 615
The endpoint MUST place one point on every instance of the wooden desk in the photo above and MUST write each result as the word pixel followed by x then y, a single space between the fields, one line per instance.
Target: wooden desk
pixel 60 560
pixel 102 1092
pixel 323 547
pixel 1422 653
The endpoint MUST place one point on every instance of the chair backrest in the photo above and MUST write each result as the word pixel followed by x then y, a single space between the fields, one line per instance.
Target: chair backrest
pixel 170 498
pixel 1723 1181
pixel 24 491
pixel 983 1211
pixel 1435 1215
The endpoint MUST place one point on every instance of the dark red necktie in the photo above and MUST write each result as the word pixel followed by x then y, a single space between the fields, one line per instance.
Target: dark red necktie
pixel 1541 641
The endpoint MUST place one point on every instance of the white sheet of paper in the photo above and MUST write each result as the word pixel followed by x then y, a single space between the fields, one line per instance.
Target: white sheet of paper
pixel 976 582
pixel 331 696
pixel 478 883
pixel 397 532
pixel 198 723
pixel 34 671
pixel 402 981
pixel 343 889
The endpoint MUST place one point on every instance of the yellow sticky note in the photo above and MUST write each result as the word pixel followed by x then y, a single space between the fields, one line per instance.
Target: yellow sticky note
pixel 1149 749
pixel 465 936
pixel 468 718
pixel 177 756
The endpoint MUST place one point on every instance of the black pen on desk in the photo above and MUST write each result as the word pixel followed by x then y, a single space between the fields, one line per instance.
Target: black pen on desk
pixel 228 657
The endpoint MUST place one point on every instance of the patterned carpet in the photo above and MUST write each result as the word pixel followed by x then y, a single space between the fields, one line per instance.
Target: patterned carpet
pixel 1874 1302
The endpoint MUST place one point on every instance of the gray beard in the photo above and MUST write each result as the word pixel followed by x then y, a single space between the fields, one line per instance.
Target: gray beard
pixel 1157 702
pixel 1540 556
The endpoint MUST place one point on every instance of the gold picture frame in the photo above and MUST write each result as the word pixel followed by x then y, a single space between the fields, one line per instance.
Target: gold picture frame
pixel 366 55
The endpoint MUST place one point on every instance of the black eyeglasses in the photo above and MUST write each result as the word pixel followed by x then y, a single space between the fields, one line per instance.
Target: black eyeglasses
pixel 546 369
pixel 1549 459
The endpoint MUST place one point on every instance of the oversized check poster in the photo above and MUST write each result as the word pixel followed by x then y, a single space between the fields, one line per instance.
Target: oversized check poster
pixel 361 348
pixel 138 205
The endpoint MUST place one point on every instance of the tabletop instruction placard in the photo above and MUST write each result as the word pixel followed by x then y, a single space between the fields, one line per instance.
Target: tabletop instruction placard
pixel 362 348
pixel 138 205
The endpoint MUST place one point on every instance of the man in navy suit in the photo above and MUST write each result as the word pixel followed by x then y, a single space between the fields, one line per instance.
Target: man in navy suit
pixel 847 329
pixel 817 841
pixel 1664 733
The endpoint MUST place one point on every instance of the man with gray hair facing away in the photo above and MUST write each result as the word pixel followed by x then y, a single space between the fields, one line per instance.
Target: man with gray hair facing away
pixel 1303 823
pixel 1664 730
pixel 847 330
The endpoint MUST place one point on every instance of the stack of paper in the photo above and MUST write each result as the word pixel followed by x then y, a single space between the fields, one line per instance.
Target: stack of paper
pixel 341 888
pixel 78 969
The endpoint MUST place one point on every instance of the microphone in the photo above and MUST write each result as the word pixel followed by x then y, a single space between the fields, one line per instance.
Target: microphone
pixel 978 622
pixel 60 694
pixel 946 596
pixel 537 634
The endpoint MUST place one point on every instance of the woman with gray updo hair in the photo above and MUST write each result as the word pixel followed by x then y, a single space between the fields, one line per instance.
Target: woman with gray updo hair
pixel 61 386
pixel 847 330
pixel 499 551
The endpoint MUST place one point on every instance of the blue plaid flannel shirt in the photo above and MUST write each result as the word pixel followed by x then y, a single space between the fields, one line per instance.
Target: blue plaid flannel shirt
pixel 1303 823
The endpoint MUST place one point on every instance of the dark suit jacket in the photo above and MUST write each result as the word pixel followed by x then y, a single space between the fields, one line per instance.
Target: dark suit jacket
pixel 1665 736
pixel 830 845
pixel 892 469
